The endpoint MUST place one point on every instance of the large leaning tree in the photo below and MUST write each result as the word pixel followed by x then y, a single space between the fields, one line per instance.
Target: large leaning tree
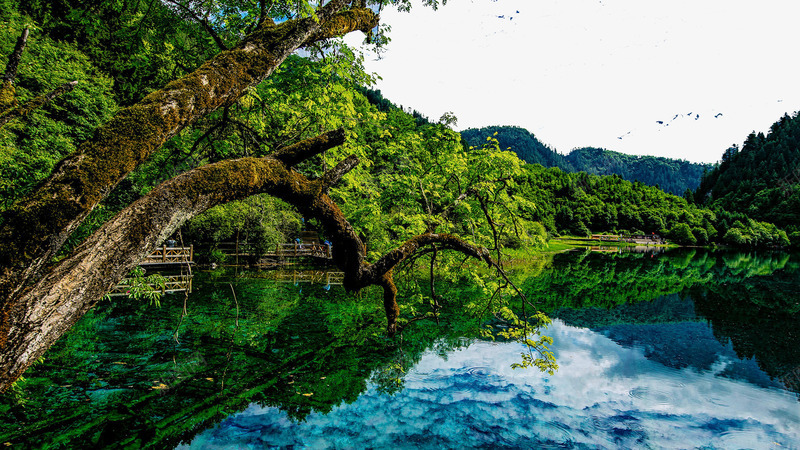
pixel 41 299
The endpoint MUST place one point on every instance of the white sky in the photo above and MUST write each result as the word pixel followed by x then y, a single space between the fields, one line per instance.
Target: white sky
pixel 586 72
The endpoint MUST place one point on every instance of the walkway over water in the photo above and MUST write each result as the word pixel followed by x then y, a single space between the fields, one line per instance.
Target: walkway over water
pixel 170 255
pixel 172 284
pixel 300 249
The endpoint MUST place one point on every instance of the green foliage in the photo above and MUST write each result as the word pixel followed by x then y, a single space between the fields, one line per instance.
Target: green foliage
pixel 527 147
pixel 259 222
pixel 756 234
pixel 141 287
pixel 760 180
pixel 670 175
pixel 682 234
pixel 141 45
pixel 31 146
pixel 514 328
pixel 794 237
pixel 700 235
pixel 574 203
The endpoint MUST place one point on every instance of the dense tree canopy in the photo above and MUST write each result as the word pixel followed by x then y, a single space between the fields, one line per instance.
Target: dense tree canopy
pixel 577 203
pixel 762 179
pixel 236 121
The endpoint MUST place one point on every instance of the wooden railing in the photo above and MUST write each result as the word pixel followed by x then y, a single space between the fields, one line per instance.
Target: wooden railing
pixel 300 249
pixel 172 284
pixel 170 255
pixel 310 276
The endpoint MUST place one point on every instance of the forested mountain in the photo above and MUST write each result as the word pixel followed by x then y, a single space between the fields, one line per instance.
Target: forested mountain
pixel 520 141
pixel 375 97
pixel 671 175
pixel 762 179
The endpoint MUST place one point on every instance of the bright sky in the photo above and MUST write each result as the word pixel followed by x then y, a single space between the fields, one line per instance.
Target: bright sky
pixel 600 73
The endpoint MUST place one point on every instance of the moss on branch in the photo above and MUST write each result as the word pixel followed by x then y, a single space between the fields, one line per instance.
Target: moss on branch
pixel 34 228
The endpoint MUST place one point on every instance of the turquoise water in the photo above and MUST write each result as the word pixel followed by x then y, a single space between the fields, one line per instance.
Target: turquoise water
pixel 686 349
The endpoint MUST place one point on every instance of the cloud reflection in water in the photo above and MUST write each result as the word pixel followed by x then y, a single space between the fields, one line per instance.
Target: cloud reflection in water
pixel 605 395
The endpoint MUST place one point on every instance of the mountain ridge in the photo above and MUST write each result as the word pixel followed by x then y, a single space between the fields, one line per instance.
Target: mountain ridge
pixel 671 175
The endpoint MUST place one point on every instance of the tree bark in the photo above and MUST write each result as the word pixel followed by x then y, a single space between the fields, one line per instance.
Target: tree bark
pixel 55 302
pixel 35 228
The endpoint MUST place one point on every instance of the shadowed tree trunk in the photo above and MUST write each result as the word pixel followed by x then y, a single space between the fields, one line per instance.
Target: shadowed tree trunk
pixel 40 302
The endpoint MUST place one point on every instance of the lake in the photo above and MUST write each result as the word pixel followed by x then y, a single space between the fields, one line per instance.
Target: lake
pixel 682 349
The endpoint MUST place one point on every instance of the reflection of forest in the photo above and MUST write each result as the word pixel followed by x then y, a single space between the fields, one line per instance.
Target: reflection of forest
pixel 750 300
pixel 120 377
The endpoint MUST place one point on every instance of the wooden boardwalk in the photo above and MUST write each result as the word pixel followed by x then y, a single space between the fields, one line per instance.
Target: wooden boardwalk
pixel 310 276
pixel 172 284
pixel 170 255
pixel 295 250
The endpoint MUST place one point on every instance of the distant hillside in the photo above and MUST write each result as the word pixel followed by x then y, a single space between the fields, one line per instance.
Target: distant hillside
pixel 383 104
pixel 671 175
pixel 521 141
pixel 762 179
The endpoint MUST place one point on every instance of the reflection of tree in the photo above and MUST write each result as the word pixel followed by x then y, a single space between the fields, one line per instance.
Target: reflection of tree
pixel 120 378
pixel 591 280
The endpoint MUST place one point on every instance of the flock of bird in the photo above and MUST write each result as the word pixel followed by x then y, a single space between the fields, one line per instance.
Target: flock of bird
pixel 663 123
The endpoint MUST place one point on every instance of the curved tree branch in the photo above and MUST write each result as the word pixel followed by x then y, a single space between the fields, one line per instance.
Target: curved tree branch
pixel 333 176
pixel 10 74
pixel 8 97
pixel 35 228
pixel 296 153
pixel 9 110
pixel 55 302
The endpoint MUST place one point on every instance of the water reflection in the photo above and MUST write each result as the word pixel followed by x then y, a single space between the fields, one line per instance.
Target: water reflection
pixel 606 394
pixel 681 349
pixel 651 249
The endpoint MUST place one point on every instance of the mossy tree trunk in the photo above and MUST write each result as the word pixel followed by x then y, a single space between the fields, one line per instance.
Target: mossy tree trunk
pixel 35 228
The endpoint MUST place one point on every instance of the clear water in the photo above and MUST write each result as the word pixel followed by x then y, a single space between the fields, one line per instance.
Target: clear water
pixel 607 394
pixel 685 349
